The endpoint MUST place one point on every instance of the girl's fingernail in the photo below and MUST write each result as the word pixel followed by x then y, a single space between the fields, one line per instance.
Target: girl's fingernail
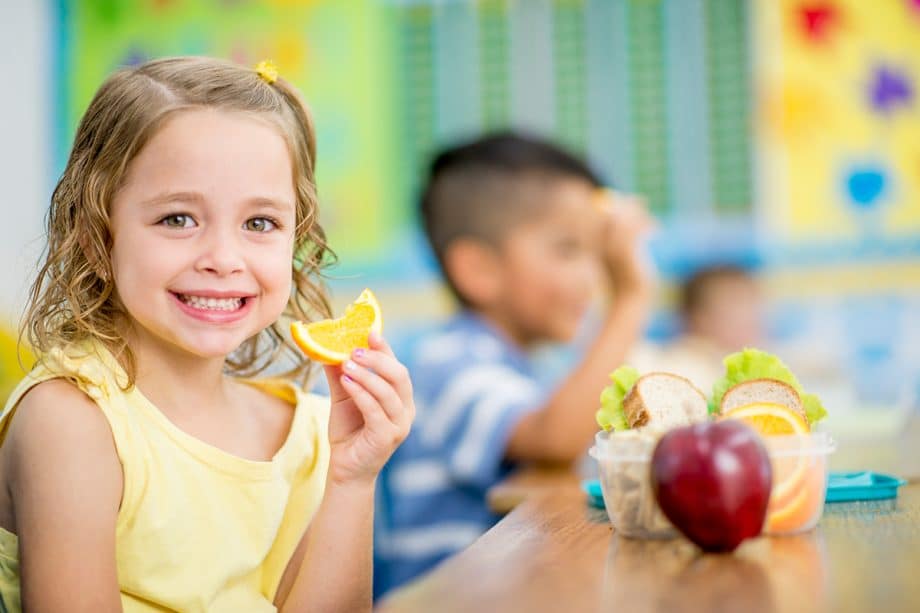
pixel 348 379
pixel 359 352
pixel 351 366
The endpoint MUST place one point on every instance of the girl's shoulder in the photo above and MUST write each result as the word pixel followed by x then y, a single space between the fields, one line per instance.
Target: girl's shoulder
pixel 56 409
pixel 88 365
pixel 54 433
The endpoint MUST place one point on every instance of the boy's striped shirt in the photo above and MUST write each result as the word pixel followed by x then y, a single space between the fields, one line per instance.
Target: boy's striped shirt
pixel 471 389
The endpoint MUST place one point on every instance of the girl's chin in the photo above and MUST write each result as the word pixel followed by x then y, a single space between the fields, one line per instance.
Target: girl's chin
pixel 212 349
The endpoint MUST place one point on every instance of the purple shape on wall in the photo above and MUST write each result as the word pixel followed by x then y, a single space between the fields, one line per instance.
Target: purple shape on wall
pixel 890 89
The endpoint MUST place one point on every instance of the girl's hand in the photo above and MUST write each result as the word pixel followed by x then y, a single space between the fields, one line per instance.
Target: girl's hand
pixel 372 411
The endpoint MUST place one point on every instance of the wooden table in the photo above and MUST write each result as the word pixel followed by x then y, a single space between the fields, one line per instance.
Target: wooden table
pixel 553 552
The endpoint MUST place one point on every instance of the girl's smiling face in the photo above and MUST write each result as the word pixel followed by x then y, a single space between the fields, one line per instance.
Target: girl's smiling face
pixel 203 233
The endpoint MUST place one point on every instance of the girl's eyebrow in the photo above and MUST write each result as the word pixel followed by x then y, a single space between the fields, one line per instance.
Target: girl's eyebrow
pixel 271 203
pixel 165 197
pixel 197 198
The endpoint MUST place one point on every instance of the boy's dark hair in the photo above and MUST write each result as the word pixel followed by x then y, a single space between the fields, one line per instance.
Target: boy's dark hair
pixel 484 188
pixel 695 287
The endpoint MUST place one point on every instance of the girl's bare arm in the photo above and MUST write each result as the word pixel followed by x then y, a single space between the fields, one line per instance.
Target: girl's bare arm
pixel 66 482
pixel 372 410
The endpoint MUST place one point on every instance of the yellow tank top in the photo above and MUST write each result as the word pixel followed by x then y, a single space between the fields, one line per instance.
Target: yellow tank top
pixel 198 529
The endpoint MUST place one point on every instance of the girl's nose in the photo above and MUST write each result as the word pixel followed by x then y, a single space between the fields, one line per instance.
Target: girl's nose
pixel 220 254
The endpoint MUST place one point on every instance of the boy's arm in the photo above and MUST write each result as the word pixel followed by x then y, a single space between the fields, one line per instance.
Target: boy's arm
pixel 562 429
pixel 65 481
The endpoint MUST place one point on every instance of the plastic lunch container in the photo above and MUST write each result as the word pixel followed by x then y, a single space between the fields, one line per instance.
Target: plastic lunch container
pixel 800 475
pixel 623 464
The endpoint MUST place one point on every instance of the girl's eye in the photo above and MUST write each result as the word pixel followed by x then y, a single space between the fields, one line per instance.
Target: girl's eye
pixel 567 247
pixel 178 220
pixel 259 224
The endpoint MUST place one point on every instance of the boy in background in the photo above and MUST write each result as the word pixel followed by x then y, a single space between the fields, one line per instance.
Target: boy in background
pixel 721 309
pixel 524 235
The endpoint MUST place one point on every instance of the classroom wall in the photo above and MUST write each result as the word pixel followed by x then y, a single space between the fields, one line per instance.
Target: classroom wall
pixel 691 103
pixel 25 167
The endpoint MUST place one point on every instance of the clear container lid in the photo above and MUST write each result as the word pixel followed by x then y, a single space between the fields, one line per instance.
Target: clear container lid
pixel 790 445
pixel 638 445
pixel 626 446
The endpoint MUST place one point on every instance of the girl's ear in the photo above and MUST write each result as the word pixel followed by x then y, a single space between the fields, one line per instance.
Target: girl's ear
pixel 474 268
pixel 92 257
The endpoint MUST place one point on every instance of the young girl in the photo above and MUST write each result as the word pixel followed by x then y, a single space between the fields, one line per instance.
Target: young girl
pixel 137 471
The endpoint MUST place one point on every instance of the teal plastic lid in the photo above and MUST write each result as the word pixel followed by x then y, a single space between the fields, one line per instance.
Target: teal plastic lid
pixel 592 487
pixel 841 487
pixel 865 485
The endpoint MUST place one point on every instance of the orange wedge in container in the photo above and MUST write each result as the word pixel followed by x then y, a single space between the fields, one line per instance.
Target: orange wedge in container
pixel 797 481
pixel 799 507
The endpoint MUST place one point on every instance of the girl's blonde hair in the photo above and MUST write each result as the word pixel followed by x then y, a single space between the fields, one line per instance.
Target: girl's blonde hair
pixel 73 297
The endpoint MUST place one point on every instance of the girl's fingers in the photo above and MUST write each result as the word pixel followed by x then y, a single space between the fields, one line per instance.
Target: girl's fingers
pixel 375 418
pixel 376 341
pixel 389 368
pixel 380 389
pixel 333 378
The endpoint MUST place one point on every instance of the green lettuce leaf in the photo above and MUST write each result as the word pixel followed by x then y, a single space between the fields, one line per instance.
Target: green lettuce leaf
pixel 755 364
pixel 611 416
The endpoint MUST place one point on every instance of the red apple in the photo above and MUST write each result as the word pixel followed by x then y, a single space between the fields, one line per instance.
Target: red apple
pixel 712 481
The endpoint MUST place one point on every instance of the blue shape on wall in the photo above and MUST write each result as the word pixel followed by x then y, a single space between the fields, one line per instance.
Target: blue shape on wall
pixel 865 186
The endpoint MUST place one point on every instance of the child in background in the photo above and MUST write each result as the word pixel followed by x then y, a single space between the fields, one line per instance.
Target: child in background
pixel 524 235
pixel 721 311
pixel 137 471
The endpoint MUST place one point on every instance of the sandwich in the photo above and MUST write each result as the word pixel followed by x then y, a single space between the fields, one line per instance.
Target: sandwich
pixel 656 400
pixel 754 376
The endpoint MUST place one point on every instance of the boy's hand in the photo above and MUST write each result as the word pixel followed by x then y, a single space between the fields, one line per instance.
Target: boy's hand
pixel 372 411
pixel 628 224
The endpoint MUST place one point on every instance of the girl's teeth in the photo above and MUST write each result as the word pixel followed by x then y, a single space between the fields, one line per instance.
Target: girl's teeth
pixel 213 304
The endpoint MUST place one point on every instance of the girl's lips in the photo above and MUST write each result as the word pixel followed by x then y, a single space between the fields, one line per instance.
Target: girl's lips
pixel 214 315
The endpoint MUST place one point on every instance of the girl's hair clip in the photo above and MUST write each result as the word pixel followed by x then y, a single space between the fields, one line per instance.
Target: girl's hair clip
pixel 267 71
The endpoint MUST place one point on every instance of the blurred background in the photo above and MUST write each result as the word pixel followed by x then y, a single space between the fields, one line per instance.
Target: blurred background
pixel 780 136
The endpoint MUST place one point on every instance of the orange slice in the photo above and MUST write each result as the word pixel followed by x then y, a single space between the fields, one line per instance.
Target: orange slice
pixel 769 418
pixel 331 341
pixel 800 510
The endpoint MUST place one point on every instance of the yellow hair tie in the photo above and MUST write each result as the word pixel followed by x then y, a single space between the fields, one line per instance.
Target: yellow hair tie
pixel 267 71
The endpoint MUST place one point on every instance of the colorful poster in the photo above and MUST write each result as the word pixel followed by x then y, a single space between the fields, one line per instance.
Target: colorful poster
pixel 839 122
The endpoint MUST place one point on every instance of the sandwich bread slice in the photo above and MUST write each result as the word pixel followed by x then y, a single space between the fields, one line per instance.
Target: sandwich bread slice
pixel 664 401
pixel 762 390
